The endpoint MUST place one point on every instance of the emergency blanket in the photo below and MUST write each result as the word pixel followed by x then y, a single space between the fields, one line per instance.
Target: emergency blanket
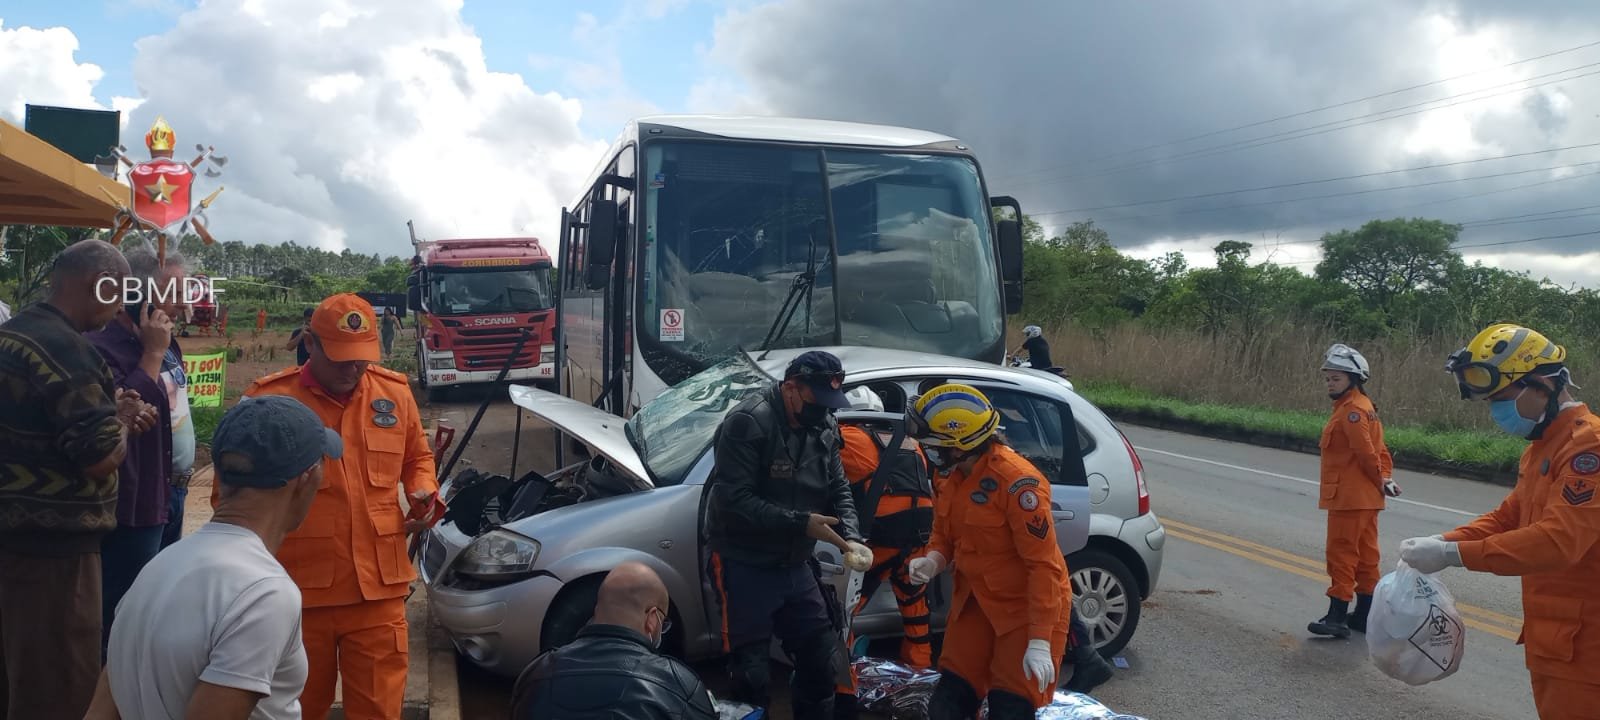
pixel 894 690
pixel 1414 633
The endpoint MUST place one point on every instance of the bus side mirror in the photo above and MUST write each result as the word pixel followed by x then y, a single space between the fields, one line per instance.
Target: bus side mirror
pixel 602 241
pixel 1009 236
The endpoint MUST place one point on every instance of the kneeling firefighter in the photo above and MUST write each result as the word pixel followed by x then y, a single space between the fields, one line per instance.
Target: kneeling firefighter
pixel 1356 469
pixel 894 503
pixel 1011 603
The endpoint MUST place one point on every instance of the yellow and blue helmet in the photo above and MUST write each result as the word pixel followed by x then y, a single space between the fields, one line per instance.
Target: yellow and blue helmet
pixel 953 416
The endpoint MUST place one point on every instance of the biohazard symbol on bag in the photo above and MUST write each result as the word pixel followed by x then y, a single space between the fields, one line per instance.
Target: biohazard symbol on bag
pixel 1436 638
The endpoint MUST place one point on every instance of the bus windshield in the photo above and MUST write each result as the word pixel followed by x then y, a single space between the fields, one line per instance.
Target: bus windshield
pixel 728 229
pixel 459 291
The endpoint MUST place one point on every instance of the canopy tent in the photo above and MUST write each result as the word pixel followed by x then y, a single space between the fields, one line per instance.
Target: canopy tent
pixel 41 185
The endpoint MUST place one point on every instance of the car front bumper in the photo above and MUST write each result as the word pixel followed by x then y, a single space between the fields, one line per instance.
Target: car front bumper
pixel 497 628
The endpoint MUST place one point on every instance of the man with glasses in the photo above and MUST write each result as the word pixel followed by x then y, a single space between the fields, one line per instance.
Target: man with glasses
pixel 778 486
pixel 613 668
pixel 1547 531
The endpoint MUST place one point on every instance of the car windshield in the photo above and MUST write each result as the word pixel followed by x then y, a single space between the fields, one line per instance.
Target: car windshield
pixel 471 292
pixel 729 228
pixel 672 431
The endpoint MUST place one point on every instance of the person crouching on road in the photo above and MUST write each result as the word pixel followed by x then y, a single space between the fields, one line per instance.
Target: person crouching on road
pixel 894 502
pixel 1356 469
pixel 614 668
pixel 1011 604
pixel 777 487
pixel 349 557
pixel 1548 529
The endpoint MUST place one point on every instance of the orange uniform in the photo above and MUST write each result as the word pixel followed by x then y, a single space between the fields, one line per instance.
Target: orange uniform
pixel 994 525
pixel 349 556
pixel 860 456
pixel 1355 463
pixel 1548 532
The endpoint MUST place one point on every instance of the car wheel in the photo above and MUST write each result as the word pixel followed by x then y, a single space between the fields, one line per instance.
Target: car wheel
pixel 573 609
pixel 1106 598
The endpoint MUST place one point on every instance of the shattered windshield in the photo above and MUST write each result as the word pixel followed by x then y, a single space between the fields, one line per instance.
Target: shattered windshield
pixel 471 292
pixel 673 430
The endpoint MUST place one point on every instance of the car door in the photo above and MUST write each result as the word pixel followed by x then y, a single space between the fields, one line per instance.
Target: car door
pixel 1042 429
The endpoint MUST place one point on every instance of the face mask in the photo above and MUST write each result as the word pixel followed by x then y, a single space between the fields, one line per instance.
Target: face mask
pixel 941 459
pixel 1505 415
pixel 812 415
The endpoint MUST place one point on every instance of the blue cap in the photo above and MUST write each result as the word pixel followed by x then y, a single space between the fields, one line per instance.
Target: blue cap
pixel 272 439
pixel 823 373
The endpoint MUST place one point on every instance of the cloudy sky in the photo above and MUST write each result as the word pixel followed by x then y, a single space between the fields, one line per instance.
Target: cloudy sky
pixel 1172 124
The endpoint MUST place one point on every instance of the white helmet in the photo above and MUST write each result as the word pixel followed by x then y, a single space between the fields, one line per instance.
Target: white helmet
pixel 1032 331
pixel 863 399
pixel 1344 358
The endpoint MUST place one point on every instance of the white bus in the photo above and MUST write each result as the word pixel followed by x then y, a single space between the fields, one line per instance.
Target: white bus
pixel 697 236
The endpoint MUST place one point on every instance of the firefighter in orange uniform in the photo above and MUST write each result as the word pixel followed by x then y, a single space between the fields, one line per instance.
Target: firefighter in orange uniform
pixel 1011 604
pixel 900 525
pixel 1356 470
pixel 349 556
pixel 1548 529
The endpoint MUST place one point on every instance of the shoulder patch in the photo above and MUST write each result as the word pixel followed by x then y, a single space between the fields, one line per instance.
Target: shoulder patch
pixel 1028 501
pixel 1355 417
pixel 1586 463
pixel 1038 527
pixel 1578 492
pixel 390 374
pixel 1022 483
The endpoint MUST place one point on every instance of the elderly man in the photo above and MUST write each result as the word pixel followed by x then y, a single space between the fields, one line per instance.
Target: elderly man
pixel 614 668
pixel 62 436
pixel 349 558
pixel 212 626
pixel 135 346
pixel 176 383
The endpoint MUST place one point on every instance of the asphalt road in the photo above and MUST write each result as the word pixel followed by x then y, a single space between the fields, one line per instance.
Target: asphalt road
pixel 1224 636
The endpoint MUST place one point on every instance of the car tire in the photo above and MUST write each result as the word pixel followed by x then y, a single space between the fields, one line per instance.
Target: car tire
pixel 573 609
pixel 1106 598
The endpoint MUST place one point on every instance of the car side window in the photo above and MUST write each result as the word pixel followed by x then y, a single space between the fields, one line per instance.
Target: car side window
pixel 1033 426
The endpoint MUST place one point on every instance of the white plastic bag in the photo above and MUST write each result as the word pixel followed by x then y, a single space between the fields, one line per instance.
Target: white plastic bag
pixel 1414 633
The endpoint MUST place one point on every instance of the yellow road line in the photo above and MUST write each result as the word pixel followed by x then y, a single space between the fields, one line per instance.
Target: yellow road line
pixel 1320 566
pixel 1467 619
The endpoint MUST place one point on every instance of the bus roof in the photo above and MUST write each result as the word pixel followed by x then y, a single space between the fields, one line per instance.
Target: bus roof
pixel 803 130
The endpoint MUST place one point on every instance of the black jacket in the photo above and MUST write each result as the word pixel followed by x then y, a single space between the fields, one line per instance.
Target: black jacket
pixel 609 672
pixel 768 479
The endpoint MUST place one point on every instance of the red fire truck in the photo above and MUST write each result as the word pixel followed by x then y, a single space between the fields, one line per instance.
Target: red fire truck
pixel 472 298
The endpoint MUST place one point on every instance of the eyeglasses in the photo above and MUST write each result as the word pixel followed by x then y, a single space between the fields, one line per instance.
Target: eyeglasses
pixel 666 622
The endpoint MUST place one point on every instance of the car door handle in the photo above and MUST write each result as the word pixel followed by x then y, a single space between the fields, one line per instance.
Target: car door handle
pixel 831 568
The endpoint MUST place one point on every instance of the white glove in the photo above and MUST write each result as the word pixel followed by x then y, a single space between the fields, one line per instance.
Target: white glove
pixel 1429 555
pixel 859 558
pixel 1036 664
pixel 921 570
pixel 1390 489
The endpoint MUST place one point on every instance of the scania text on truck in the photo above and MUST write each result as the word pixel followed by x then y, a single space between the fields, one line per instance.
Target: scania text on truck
pixel 696 236
pixel 472 298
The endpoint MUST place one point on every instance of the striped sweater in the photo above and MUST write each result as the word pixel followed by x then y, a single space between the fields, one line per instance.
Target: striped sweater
pixel 57 418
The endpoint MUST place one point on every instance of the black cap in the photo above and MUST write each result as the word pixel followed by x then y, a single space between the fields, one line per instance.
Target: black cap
pixel 277 436
pixel 823 373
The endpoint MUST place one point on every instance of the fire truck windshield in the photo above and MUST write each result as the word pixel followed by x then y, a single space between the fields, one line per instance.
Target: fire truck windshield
pixel 461 291
pixel 898 248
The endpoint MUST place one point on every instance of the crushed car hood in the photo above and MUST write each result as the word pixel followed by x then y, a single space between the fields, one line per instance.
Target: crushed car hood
pixel 593 426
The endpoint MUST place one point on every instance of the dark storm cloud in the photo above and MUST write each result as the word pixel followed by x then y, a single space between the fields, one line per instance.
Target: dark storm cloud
pixel 1052 95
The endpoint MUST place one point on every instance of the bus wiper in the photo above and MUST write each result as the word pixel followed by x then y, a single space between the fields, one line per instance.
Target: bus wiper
pixel 803 283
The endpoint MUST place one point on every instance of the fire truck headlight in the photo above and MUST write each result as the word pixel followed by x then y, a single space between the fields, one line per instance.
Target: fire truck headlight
pixel 442 361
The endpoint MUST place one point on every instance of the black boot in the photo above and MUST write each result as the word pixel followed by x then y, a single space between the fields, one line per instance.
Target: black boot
pixel 844 707
pixel 1333 624
pixel 1089 669
pixel 1358 617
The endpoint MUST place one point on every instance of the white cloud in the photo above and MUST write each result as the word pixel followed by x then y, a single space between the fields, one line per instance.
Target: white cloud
pixel 339 132
pixel 40 70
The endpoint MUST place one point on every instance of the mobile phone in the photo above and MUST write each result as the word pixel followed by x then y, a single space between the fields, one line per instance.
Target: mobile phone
pixel 135 312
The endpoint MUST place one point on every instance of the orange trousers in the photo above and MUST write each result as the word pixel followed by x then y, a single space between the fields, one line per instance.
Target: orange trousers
pixel 1352 553
pixel 365 645
pixel 916 649
pixel 987 661
pixel 1560 699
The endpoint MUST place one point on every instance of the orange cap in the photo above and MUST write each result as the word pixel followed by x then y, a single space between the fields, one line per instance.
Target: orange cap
pixel 346 328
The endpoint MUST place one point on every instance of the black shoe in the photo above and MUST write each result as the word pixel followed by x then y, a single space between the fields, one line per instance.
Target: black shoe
pixel 1333 624
pixel 1358 617
pixel 844 707
pixel 1089 670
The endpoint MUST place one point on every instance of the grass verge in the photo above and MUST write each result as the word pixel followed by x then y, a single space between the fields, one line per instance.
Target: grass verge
pixel 1477 454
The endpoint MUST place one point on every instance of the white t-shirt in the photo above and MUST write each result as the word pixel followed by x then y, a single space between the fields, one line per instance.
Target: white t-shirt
pixel 215 606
